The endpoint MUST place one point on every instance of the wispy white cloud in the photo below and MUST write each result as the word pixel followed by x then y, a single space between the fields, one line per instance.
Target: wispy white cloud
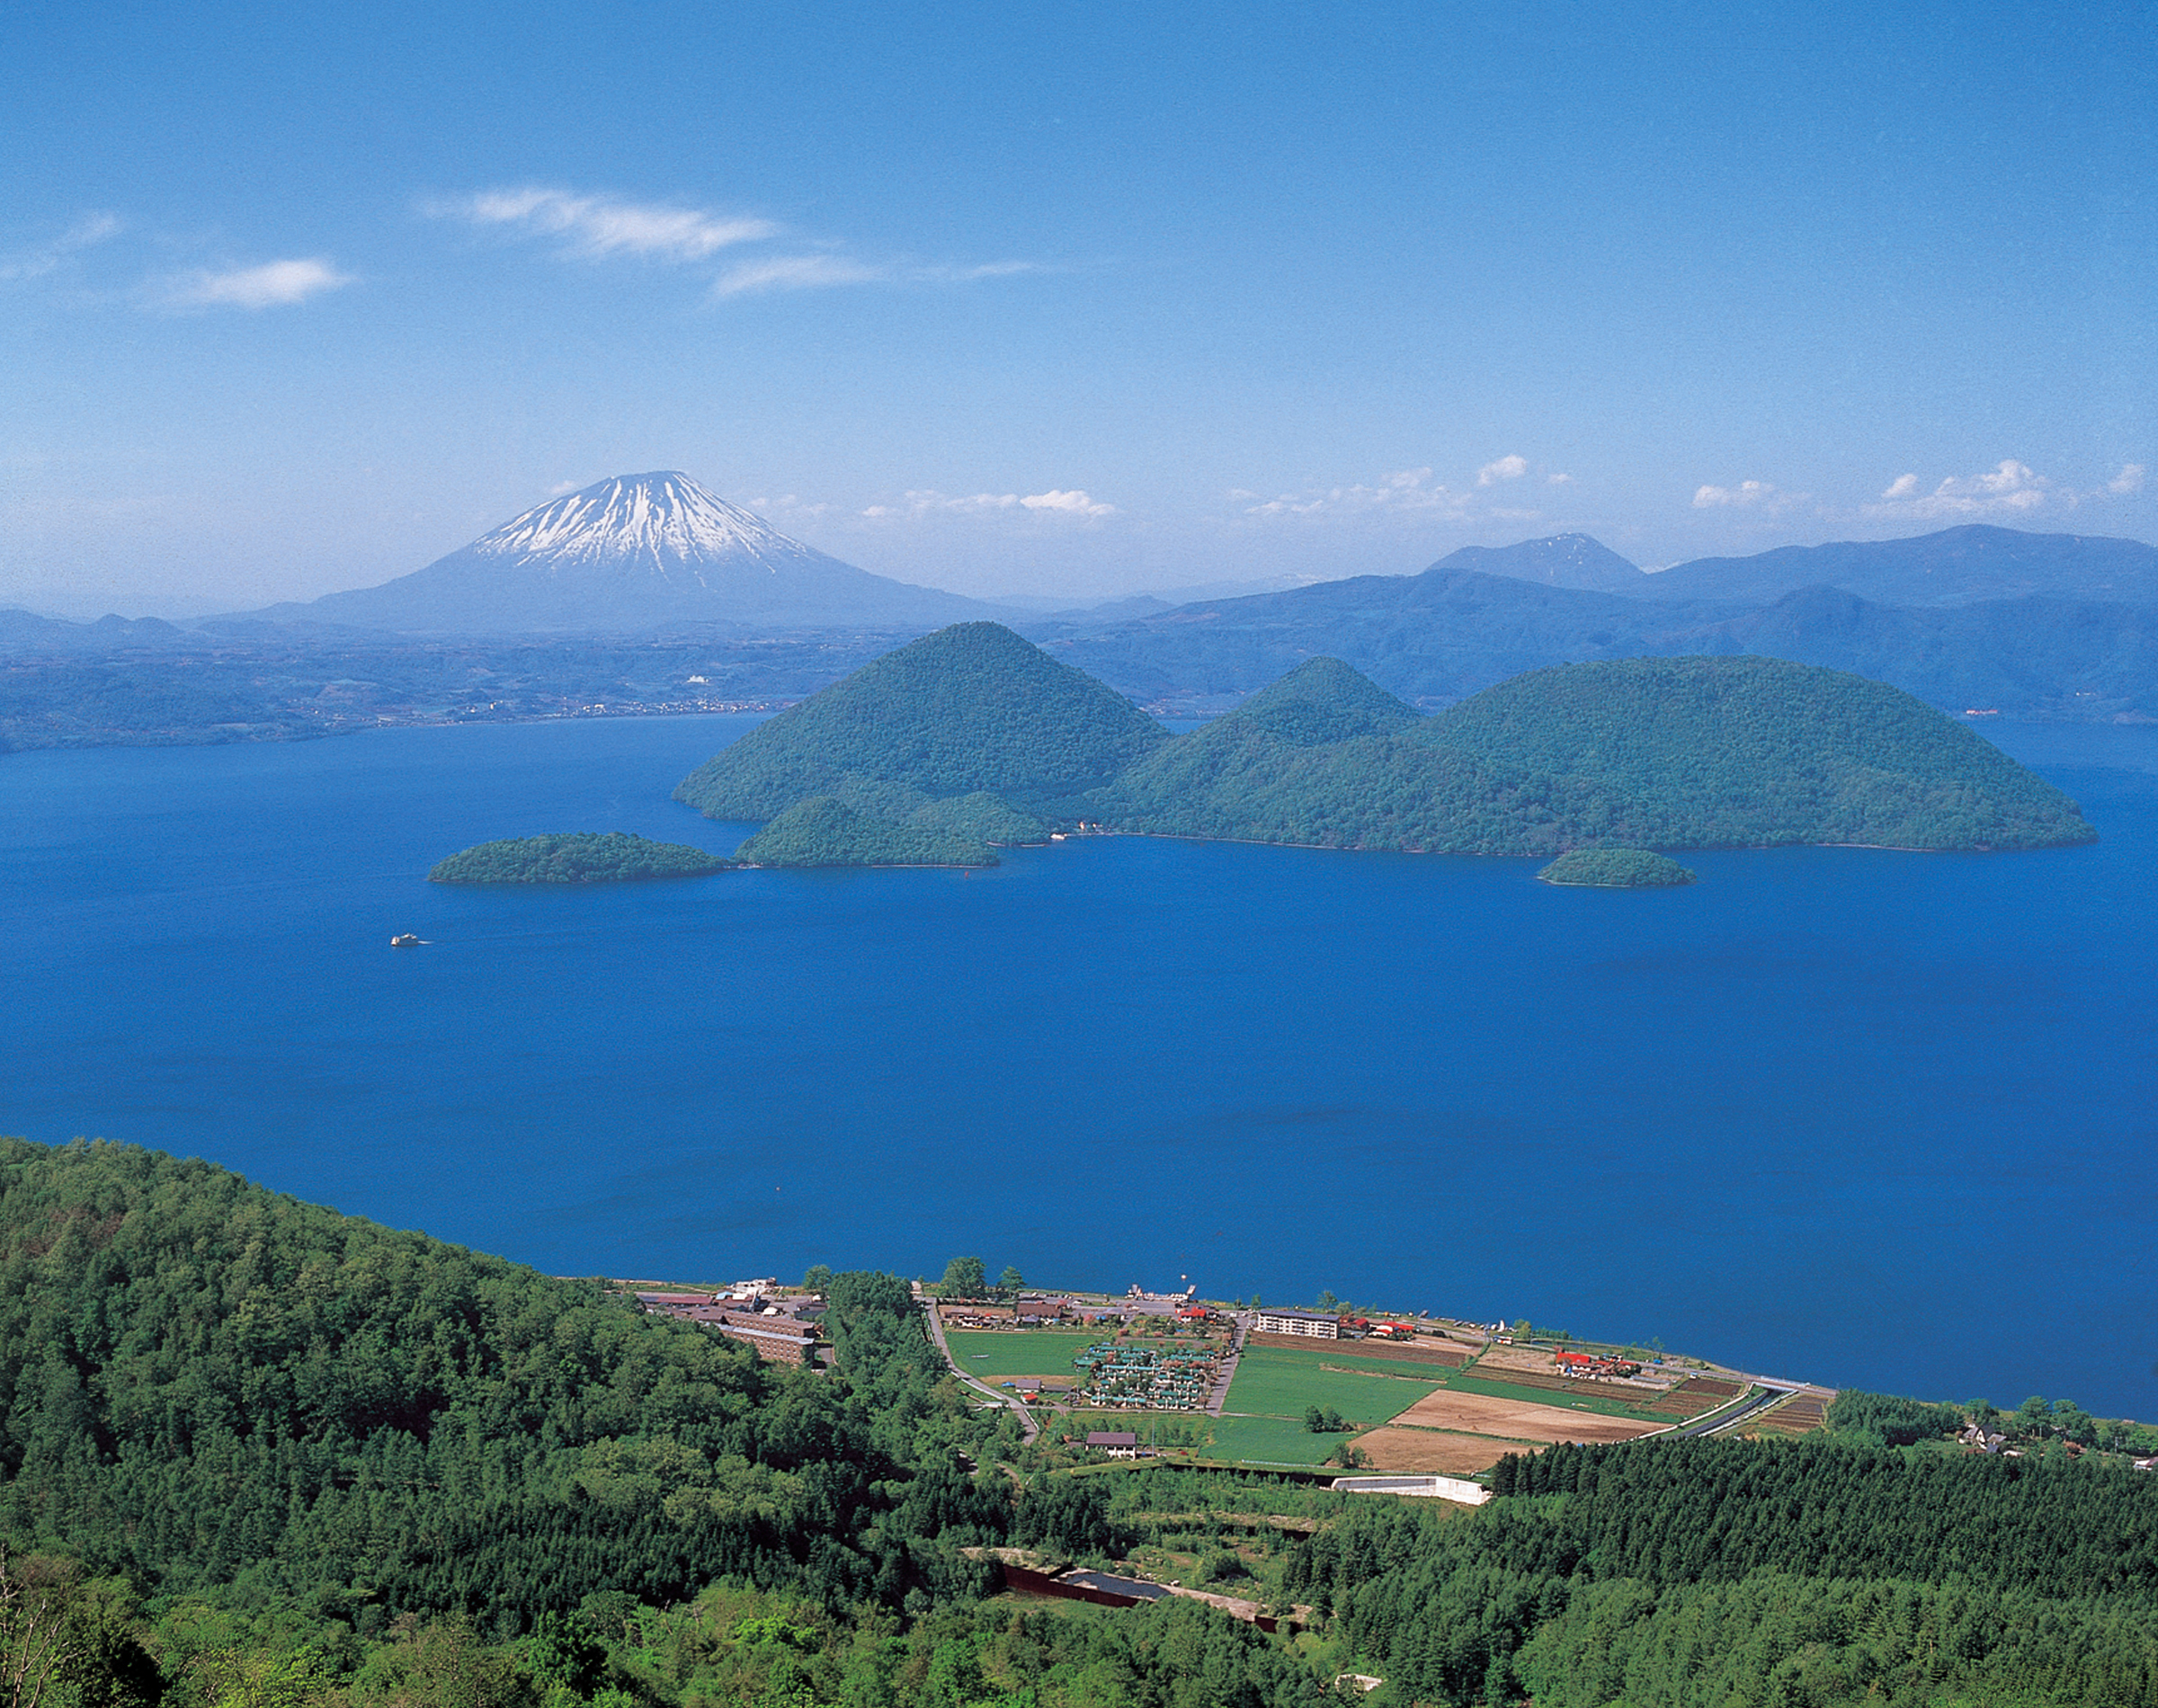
pixel 1748 494
pixel 34 263
pixel 593 228
pixel 820 270
pixel 1071 503
pixel 796 272
pixel 275 284
pixel 1558 478
pixel 2010 488
pixel 1406 492
pixel 1074 503
pixel 789 504
pixel 2129 479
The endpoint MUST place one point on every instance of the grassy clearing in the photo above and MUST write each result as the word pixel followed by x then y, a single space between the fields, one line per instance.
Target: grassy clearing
pixel 1271 1441
pixel 1283 1384
pixel 995 1354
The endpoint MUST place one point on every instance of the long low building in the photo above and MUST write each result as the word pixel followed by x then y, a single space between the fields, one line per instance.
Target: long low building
pixel 1315 1324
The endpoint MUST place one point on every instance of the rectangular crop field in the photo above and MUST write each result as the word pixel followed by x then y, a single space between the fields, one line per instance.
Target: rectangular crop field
pixel 1277 1383
pixel 996 1355
pixel 1519 1419
pixel 1281 1441
pixel 1436 1452
pixel 1570 1398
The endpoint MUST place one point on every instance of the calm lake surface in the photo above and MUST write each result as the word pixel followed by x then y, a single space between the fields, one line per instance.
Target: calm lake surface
pixel 1865 1118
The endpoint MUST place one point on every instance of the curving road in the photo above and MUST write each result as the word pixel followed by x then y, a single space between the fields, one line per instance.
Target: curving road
pixel 936 1333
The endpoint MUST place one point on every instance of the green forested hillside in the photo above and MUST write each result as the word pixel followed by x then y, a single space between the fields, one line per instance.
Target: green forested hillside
pixel 828 831
pixel 1701 753
pixel 1705 1571
pixel 256 1454
pixel 614 857
pixel 968 708
pixel 204 1382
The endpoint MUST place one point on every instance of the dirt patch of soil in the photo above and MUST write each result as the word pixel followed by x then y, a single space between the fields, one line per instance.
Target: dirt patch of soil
pixel 1517 1419
pixel 1801 1415
pixel 1436 1452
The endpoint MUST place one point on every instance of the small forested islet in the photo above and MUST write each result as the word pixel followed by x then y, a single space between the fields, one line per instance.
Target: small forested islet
pixel 1617 869
pixel 583 857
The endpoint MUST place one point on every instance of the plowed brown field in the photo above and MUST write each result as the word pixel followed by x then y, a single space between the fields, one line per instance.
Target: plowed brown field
pixel 1436 1452
pixel 1517 1419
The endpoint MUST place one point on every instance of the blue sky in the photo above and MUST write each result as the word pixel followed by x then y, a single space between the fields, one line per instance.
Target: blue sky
pixel 1010 299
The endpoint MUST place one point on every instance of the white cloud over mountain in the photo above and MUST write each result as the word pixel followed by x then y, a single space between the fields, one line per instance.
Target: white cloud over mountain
pixel 1746 495
pixel 1406 492
pixel 2010 488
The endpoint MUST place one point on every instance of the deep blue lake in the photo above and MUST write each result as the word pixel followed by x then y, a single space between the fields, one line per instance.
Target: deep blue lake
pixel 1859 1117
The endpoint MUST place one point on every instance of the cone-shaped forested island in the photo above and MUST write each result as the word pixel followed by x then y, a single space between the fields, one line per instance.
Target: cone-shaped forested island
pixel 973 737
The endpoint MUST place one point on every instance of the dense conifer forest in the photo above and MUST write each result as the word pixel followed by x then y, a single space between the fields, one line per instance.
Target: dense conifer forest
pixel 882 830
pixel 257 1454
pixel 969 708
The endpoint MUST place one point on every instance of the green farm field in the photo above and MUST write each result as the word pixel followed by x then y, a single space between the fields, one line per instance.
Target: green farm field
pixel 1274 1382
pixel 996 1355
pixel 1283 1441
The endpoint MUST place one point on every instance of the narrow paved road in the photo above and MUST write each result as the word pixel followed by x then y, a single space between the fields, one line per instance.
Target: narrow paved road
pixel 1715 1422
pixel 936 1333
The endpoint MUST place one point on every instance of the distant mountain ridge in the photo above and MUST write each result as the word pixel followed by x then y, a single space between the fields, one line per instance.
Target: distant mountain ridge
pixel 1563 560
pixel 2006 628
pixel 1955 566
pixel 632 553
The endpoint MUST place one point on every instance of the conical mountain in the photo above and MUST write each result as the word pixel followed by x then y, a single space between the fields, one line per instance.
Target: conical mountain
pixel 969 708
pixel 1324 700
pixel 635 553
pixel 1563 560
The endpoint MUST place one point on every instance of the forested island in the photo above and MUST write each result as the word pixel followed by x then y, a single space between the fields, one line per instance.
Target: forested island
pixel 254 1452
pixel 1617 869
pixel 611 856
pixel 1643 754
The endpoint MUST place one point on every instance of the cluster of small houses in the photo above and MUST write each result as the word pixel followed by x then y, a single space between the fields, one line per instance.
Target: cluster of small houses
pixel 1978 1438
pixel 1124 1375
pixel 1588 1364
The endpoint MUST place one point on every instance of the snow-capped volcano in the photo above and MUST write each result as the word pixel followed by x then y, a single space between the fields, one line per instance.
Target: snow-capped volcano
pixel 666 520
pixel 638 552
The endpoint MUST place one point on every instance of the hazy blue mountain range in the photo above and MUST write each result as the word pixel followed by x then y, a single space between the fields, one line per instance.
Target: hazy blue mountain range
pixel 1439 636
pixel 633 571
pixel 636 553
pixel 1956 566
